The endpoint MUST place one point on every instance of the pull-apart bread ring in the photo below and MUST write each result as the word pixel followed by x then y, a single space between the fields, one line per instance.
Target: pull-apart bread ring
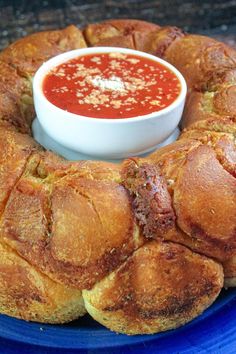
pixel 144 246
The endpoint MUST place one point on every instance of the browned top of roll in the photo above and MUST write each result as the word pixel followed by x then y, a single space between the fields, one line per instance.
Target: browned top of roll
pixel 161 286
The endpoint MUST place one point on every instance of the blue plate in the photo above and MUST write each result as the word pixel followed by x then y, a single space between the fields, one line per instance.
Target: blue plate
pixel 212 332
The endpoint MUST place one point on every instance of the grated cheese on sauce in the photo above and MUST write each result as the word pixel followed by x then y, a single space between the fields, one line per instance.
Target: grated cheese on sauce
pixel 111 85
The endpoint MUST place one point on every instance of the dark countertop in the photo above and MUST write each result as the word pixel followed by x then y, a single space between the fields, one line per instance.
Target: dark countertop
pixel 214 18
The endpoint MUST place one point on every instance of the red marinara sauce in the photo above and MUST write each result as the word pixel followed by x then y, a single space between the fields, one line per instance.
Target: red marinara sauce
pixel 111 85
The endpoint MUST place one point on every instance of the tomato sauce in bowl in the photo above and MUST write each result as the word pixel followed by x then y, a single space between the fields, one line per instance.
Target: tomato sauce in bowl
pixel 111 85
pixel 108 102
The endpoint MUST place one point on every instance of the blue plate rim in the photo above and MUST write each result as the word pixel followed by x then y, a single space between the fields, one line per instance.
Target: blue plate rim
pixel 120 340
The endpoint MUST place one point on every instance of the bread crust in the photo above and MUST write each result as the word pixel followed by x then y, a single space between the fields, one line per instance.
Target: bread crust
pixel 216 101
pixel 19 62
pixel 116 32
pixel 69 203
pixel 28 53
pixel 28 294
pixel 161 286
pixel 198 57
pixel 143 240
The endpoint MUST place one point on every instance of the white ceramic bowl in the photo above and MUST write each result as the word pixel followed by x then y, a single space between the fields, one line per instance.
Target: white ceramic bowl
pixel 106 138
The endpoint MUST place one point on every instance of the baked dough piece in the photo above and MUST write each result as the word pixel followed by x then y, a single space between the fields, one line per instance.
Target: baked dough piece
pixel 216 101
pixel 16 104
pixel 202 187
pixel 200 172
pixel 15 150
pixel 161 286
pixel 28 294
pixel 62 221
pixel 199 57
pixel 27 54
pixel 117 33
pixel 19 62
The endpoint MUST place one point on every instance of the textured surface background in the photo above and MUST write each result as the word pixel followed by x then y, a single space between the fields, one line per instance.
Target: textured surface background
pixel 20 17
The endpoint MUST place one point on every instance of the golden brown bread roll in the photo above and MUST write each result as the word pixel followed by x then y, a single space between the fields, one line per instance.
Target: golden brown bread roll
pixel 117 32
pixel 223 145
pixel 15 150
pixel 224 124
pixel 157 41
pixel 196 205
pixel 19 62
pixel 198 167
pixel 68 227
pixel 198 57
pixel 161 286
pixel 26 293
pixel 217 100
pixel 78 204
pixel 198 201
pixel 16 104
pixel 27 54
